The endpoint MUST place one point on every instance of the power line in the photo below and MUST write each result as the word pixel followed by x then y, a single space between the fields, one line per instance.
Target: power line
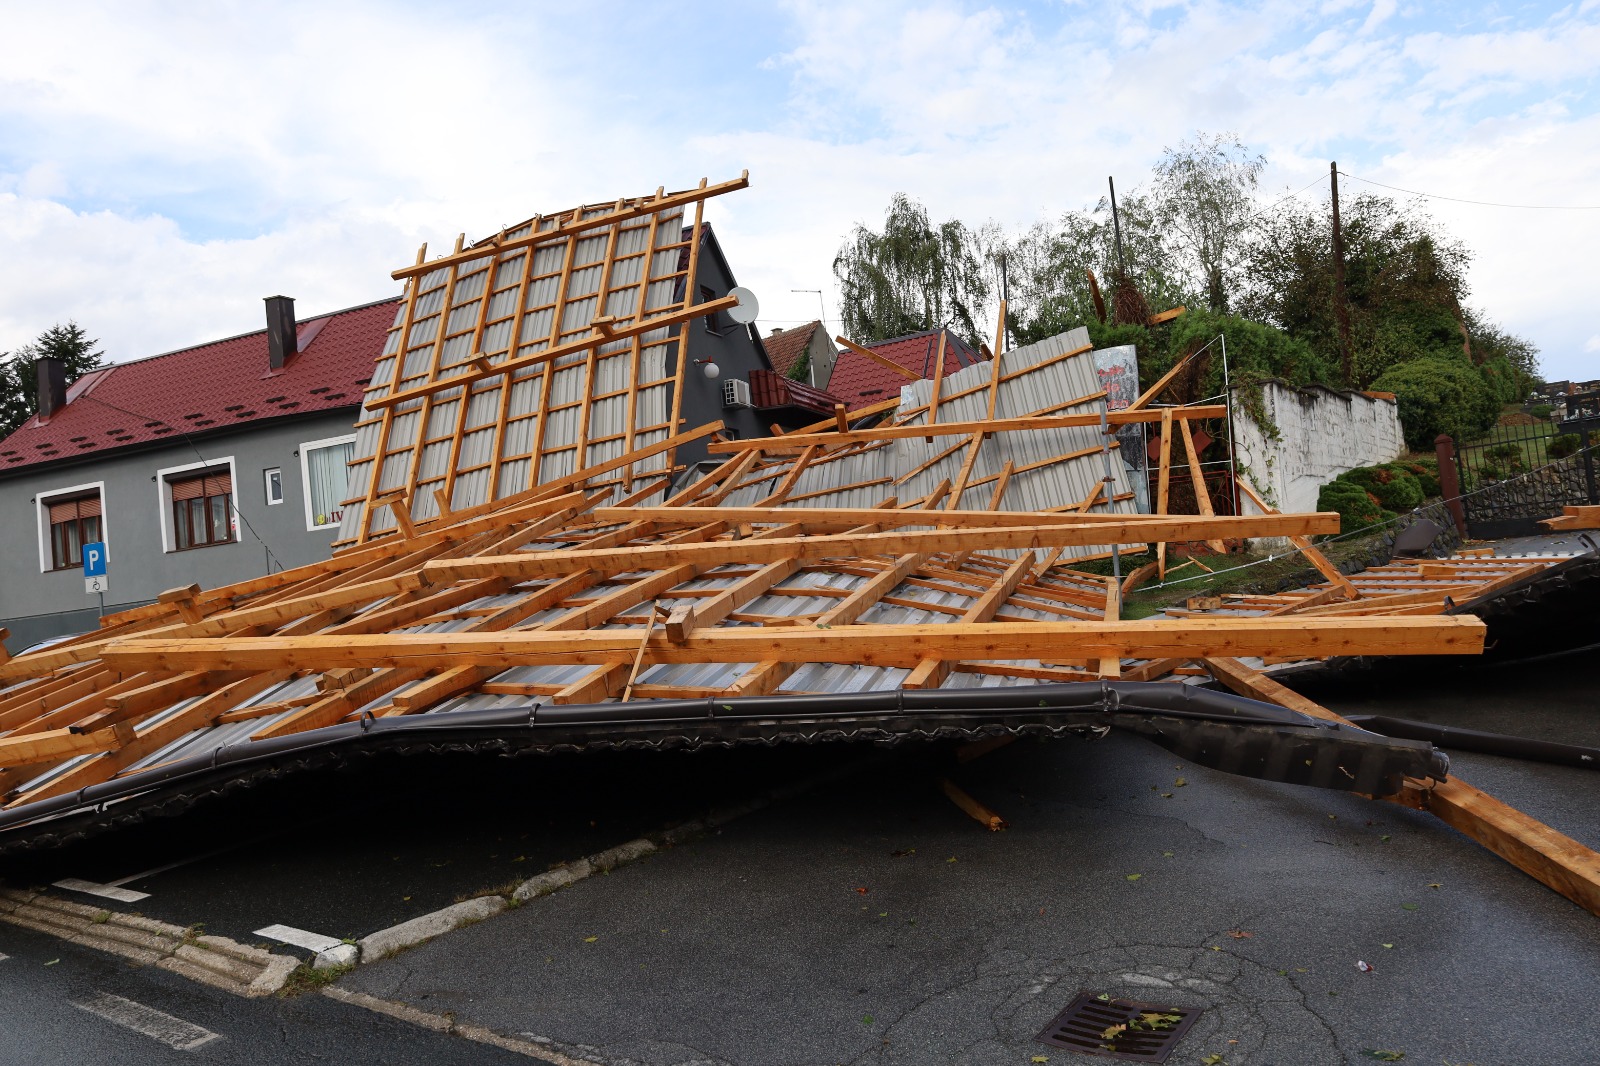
pixel 1480 203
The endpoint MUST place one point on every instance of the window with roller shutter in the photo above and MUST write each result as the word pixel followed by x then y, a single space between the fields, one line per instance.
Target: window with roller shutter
pixel 74 522
pixel 202 509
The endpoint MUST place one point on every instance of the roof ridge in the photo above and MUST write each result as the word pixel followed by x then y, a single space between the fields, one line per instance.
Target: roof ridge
pixel 299 321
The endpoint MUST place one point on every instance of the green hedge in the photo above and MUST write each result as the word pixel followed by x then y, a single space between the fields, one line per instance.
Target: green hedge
pixel 1437 394
pixel 1357 507
pixel 1393 486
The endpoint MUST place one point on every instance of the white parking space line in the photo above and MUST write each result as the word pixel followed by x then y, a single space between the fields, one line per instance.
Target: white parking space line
pixel 300 938
pixel 121 895
pixel 147 1021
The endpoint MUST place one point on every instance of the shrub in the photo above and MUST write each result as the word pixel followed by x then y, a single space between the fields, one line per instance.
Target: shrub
pixel 1438 395
pixel 1425 470
pixel 1357 508
pixel 1395 488
pixel 1562 445
pixel 1542 411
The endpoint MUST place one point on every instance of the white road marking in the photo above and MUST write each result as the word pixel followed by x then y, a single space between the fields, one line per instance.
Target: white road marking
pixel 147 1021
pixel 121 895
pixel 300 938
pixel 3 956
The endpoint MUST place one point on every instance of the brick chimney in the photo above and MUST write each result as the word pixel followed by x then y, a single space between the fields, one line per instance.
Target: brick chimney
pixel 52 375
pixel 282 341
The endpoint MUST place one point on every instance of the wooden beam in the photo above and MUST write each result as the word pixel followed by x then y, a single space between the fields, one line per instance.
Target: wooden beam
pixel 1000 538
pixel 1164 483
pixel 1202 498
pixel 637 209
pixel 794 442
pixel 1550 857
pixel 883 361
pixel 873 645
pixel 826 518
pixel 471 373
pixel 938 380
pixel 1314 556
pixel 931 672
pixel 1583 516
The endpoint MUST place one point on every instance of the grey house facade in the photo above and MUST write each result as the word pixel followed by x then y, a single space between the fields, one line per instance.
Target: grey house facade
pixel 205 466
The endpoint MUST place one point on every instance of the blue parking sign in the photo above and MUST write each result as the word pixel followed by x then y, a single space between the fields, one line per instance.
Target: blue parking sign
pixel 94 559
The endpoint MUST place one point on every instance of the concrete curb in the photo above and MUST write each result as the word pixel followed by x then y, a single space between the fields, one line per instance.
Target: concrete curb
pixel 396 938
pixel 211 960
pixel 446 1023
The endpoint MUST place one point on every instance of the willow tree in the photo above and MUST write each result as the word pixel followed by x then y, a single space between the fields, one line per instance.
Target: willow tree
pixel 911 276
pixel 1204 197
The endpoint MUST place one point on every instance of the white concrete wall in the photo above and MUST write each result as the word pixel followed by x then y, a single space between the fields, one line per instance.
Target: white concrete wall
pixel 1321 433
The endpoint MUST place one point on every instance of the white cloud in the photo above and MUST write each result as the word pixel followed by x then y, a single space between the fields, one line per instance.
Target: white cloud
pixel 170 169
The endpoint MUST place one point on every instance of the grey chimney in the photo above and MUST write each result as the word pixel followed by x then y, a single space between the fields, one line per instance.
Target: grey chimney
pixel 282 341
pixel 52 375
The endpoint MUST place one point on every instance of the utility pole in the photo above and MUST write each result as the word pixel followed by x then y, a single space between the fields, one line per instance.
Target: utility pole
pixel 1005 285
pixel 1116 226
pixel 1341 305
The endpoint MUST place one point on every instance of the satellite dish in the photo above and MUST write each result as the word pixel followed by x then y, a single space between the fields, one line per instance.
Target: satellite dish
pixel 747 309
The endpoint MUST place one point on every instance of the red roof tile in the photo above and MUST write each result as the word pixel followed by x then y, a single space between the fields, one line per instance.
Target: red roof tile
pixel 859 381
pixel 207 388
pixel 785 348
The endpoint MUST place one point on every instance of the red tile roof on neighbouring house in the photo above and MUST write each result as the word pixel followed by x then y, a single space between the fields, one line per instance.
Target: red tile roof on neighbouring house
pixel 859 381
pixel 208 388
pixel 784 347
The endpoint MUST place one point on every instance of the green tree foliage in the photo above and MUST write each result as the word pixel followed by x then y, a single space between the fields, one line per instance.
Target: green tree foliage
pixel 1440 394
pixel 19 382
pixel 1205 198
pixel 911 276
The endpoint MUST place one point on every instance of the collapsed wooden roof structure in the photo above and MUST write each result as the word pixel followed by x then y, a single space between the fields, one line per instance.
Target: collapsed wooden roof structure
pixel 523 558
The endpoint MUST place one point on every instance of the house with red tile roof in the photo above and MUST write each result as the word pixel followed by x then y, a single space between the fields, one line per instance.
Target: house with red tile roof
pixel 807 347
pixel 860 381
pixel 207 465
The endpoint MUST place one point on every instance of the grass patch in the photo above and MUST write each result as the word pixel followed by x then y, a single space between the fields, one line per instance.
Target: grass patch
pixel 306 978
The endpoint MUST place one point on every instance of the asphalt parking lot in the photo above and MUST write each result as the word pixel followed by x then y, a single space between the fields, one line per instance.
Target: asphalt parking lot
pixel 870 921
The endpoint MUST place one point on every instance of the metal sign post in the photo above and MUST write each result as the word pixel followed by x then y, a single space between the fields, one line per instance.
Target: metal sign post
pixel 95 580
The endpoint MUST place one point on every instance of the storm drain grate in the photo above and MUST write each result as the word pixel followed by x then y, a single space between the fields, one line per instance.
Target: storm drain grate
pixel 1119 1028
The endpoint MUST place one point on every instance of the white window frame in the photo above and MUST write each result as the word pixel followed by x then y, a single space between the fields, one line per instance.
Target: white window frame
pixel 164 496
pixel 305 476
pixel 266 484
pixel 42 508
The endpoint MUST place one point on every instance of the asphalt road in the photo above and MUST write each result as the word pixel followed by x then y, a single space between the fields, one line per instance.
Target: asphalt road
pixel 874 923
pixel 70 1006
pixel 757 945
pixel 346 853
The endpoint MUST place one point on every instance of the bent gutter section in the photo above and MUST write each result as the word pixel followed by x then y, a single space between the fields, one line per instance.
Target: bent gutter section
pixel 1215 729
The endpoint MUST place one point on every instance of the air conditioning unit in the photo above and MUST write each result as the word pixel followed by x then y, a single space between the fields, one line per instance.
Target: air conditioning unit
pixel 736 393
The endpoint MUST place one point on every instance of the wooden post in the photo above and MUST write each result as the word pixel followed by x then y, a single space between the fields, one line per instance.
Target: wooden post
pixel 1444 449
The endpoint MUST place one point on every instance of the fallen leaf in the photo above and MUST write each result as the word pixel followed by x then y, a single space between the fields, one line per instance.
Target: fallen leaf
pixel 1384 838
pixel 52 962
pixel 1166 795
pixel 1040 1058
pixel 1180 782
pixel 1166 854
pixel 1111 1032
pixel 590 939
pixel 1215 948
pixel 883 914
pixel 1214 1060
pixel 1104 997
pixel 1436 885
pixel 951 859
pixel 902 853
pixel 1240 934
pixel 866 1019
pixel 1408 906
pixel 1134 877
pixel 1383 1056
pixel 1388 945
pixel 862 891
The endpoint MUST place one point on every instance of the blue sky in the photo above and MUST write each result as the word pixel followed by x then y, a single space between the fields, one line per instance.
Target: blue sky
pixel 164 166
